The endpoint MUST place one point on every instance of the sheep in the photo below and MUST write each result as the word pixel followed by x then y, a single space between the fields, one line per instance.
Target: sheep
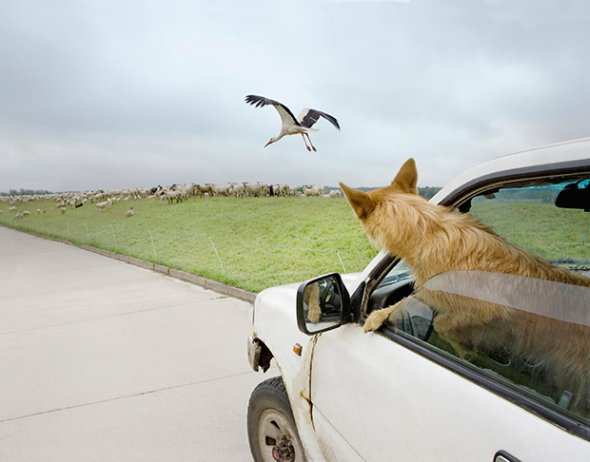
pixel 221 190
pixel 205 189
pixel 252 189
pixel 285 190
pixel 257 190
pixel 334 194
pixel 313 191
pixel 238 189
pixel 100 206
pixel 187 190
pixel 172 196
pixel 193 190
pixel 129 212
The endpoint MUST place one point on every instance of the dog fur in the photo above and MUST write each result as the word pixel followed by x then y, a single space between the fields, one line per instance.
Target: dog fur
pixel 311 296
pixel 433 240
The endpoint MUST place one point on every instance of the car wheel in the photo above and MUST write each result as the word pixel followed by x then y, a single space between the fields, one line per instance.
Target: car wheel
pixel 272 432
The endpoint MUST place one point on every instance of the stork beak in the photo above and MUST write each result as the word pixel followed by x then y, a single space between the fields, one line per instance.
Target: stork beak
pixel 270 142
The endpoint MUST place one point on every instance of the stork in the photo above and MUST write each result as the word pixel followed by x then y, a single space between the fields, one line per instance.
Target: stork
pixel 290 125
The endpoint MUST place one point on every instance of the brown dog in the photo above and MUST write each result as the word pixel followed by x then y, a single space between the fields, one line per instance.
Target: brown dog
pixel 434 240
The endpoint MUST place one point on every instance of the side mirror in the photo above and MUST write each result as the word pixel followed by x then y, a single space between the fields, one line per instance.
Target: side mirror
pixel 572 197
pixel 323 304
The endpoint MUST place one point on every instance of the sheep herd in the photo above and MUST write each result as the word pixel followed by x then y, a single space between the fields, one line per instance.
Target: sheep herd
pixel 176 193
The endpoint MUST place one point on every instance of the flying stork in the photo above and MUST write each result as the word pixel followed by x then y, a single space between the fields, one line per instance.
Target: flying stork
pixel 292 126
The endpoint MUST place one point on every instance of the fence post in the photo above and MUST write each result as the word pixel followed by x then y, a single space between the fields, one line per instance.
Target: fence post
pixel 153 245
pixel 217 254
pixel 341 262
pixel 114 236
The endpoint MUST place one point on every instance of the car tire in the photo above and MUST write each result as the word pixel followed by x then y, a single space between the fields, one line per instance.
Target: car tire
pixel 272 432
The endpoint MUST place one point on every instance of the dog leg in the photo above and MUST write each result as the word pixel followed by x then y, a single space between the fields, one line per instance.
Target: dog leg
pixel 311 296
pixel 314 314
pixel 377 318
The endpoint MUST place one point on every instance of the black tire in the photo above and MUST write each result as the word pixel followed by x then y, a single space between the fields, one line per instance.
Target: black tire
pixel 272 432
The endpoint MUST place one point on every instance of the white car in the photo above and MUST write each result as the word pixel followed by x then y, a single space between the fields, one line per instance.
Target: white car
pixel 405 393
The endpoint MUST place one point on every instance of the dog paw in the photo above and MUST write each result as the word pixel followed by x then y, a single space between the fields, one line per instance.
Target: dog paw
pixel 376 319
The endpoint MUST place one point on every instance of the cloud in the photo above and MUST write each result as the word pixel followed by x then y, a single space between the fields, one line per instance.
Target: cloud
pixel 124 94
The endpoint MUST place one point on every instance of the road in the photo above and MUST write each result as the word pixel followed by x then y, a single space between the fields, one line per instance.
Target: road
pixel 101 360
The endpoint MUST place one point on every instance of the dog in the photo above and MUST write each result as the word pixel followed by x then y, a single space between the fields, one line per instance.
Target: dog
pixel 435 240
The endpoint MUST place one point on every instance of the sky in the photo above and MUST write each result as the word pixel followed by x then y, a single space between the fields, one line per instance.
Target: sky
pixel 128 93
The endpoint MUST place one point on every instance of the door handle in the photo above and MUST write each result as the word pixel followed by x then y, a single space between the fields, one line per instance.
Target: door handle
pixel 503 456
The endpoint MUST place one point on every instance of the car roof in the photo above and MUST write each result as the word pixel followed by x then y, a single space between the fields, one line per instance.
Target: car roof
pixel 561 156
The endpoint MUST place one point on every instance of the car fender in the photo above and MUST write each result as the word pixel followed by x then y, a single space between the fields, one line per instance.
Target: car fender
pixel 275 325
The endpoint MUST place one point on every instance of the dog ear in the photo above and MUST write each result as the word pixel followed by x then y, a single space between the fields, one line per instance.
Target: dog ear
pixel 361 202
pixel 407 177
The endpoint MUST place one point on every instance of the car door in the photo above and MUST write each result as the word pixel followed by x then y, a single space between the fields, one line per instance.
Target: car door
pixel 393 396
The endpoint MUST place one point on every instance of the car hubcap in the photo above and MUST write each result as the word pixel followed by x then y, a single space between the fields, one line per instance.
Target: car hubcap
pixel 275 438
pixel 284 451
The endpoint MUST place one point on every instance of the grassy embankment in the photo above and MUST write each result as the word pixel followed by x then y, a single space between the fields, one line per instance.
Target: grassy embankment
pixel 250 243
pixel 254 243
pixel 542 229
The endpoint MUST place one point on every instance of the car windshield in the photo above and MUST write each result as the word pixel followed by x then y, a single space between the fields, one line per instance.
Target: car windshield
pixel 400 272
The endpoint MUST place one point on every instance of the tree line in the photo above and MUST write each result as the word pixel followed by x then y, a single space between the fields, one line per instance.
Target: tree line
pixel 25 192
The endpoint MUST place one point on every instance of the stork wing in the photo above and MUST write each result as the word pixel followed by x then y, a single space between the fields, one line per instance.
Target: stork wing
pixel 308 117
pixel 286 115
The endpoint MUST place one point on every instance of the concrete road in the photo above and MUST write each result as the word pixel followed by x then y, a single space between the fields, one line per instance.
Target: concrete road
pixel 104 361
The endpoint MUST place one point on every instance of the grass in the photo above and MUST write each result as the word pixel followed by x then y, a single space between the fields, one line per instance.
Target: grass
pixel 543 229
pixel 251 243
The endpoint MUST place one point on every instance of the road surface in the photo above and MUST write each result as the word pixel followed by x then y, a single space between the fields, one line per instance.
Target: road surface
pixel 101 360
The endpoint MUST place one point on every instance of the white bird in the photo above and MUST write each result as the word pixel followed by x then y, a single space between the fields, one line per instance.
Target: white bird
pixel 292 126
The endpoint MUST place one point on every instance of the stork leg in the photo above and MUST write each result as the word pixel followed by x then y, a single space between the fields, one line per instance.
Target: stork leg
pixel 310 143
pixel 305 141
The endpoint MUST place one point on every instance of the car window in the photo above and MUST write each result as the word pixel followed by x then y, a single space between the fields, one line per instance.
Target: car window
pixel 526 215
pixel 400 272
pixel 530 334
pixel 537 340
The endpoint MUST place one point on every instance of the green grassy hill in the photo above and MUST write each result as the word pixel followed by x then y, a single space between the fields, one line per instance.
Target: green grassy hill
pixel 251 243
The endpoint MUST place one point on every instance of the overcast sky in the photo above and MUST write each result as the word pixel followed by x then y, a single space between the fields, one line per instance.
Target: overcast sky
pixel 123 93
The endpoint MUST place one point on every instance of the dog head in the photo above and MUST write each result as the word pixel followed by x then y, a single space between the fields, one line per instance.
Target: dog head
pixel 385 213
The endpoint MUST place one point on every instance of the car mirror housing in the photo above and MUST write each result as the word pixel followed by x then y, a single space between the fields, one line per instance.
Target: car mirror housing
pixel 323 304
pixel 573 197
